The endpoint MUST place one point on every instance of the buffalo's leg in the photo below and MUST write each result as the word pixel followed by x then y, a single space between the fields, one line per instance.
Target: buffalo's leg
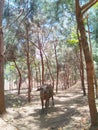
pixel 47 103
pixel 52 101
pixel 42 102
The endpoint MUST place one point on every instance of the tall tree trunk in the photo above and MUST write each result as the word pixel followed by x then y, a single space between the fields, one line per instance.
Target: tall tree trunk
pixel 2 99
pixel 28 65
pixel 82 70
pixel 42 64
pixel 81 66
pixel 95 79
pixel 42 60
pixel 49 69
pixel 89 64
pixel 57 68
pixel 39 73
pixel 20 77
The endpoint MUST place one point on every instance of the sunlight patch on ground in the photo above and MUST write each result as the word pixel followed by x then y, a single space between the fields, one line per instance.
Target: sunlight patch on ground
pixel 77 118
pixel 73 106
pixel 69 113
pixel 68 99
pixel 5 126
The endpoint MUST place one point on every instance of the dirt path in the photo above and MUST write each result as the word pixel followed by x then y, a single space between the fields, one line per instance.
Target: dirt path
pixel 69 113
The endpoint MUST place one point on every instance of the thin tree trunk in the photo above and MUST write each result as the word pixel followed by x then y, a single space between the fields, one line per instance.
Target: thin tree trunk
pixel 57 68
pixel 2 98
pixel 28 65
pixel 39 73
pixel 89 64
pixel 42 63
pixel 42 60
pixel 68 73
pixel 36 72
pixel 20 77
pixel 49 69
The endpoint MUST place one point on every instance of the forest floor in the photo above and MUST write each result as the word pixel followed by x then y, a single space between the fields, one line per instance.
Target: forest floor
pixel 70 112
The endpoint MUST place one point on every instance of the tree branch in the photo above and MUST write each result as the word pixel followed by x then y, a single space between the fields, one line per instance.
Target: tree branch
pixel 85 7
pixel 15 19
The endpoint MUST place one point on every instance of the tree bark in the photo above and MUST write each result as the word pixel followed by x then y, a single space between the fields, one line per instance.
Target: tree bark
pixel 82 71
pixel 42 63
pixel 49 69
pixel 89 64
pixel 20 77
pixel 42 60
pixel 2 99
pixel 81 66
pixel 57 68
pixel 95 79
pixel 28 65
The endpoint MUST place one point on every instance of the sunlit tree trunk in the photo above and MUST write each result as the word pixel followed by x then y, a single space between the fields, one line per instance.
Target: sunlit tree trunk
pixel 81 66
pixel 39 73
pixel 42 60
pixel 28 63
pixel 82 71
pixel 95 79
pixel 57 68
pixel 89 62
pixel 2 99
pixel 42 64
pixel 36 72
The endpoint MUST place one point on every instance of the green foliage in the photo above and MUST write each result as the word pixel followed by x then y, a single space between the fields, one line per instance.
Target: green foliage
pixel 72 41
pixel 95 6
pixel 10 71
pixel 54 22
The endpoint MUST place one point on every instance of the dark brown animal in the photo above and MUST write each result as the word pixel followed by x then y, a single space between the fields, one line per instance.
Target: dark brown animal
pixel 46 92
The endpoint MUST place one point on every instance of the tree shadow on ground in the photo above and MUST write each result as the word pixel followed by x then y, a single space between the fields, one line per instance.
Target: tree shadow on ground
pixel 93 128
pixel 56 120
pixel 58 116
pixel 14 100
